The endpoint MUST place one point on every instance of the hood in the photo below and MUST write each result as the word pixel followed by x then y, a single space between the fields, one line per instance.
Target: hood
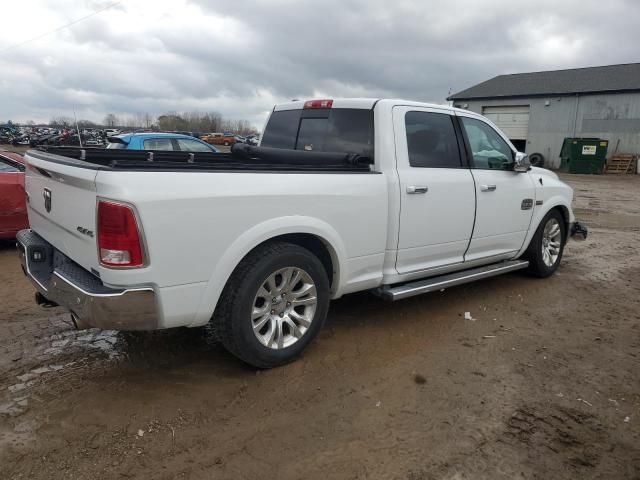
pixel 543 172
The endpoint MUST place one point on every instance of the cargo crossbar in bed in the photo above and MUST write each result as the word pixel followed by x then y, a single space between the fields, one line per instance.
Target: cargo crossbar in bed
pixel 242 158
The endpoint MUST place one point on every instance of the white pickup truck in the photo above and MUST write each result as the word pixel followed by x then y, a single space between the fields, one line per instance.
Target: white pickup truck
pixel 397 197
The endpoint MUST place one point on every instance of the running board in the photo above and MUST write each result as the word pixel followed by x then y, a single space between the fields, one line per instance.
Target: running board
pixel 390 292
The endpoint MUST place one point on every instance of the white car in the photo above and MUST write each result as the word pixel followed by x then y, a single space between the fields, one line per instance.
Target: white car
pixel 343 195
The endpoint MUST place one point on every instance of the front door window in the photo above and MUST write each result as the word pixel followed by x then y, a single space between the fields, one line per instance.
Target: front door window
pixel 490 151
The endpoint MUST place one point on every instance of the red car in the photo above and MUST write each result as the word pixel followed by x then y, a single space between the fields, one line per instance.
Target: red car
pixel 13 206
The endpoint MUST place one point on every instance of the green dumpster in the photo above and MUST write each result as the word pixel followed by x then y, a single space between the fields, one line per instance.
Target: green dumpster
pixel 583 155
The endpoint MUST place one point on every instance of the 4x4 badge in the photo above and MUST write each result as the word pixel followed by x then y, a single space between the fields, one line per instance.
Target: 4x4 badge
pixel 47 199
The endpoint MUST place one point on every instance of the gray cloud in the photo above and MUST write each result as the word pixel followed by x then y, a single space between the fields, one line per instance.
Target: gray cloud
pixel 242 57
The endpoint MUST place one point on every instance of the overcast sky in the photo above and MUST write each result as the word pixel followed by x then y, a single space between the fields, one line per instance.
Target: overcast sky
pixel 240 57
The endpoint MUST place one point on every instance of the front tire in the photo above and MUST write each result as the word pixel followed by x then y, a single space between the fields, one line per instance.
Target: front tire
pixel 547 245
pixel 273 305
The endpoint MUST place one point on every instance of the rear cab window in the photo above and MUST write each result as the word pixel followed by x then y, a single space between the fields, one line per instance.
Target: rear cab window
pixel 338 130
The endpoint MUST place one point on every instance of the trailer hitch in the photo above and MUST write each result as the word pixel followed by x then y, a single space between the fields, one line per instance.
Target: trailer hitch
pixel 579 231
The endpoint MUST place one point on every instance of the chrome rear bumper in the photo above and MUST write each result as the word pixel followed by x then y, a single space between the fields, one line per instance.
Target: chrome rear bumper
pixel 61 281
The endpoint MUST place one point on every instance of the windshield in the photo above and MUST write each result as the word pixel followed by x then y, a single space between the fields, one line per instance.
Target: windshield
pixel 347 130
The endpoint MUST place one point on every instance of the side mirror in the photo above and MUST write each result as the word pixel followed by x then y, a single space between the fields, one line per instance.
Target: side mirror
pixel 521 162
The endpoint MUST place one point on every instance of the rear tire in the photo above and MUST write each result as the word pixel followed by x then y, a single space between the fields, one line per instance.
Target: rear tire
pixel 273 305
pixel 547 245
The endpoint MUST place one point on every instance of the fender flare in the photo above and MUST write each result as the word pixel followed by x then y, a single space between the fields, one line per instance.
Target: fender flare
pixel 259 234
pixel 539 214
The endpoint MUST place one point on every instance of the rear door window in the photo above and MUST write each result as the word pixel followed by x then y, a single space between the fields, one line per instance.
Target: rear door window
pixel 158 144
pixel 431 140
pixel 187 145
pixel 342 130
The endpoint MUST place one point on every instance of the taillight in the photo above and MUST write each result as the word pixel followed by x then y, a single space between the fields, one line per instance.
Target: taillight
pixel 119 240
pixel 318 104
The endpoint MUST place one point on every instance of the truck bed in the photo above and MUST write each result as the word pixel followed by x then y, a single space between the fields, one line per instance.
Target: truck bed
pixel 196 228
pixel 242 158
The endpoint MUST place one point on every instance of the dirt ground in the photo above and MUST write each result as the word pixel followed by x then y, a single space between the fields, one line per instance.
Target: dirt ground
pixel 543 384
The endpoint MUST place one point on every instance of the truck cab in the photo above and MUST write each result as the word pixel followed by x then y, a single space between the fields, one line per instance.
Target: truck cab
pixel 458 196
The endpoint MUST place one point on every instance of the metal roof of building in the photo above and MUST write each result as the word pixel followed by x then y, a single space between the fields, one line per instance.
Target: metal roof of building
pixel 611 78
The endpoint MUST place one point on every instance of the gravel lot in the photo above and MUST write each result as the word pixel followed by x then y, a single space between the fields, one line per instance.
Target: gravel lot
pixel 543 384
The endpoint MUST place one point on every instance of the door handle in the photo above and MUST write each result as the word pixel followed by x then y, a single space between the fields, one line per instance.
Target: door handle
pixel 487 188
pixel 413 189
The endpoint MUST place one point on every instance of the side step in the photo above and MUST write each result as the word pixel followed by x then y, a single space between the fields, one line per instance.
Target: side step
pixel 398 292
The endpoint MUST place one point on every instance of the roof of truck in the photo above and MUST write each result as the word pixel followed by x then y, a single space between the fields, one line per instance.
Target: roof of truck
pixel 363 103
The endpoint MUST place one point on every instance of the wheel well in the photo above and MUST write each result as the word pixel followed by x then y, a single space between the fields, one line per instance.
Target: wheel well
pixel 565 214
pixel 315 245
pixel 564 211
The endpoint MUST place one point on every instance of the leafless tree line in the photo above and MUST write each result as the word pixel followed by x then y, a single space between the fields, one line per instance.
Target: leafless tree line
pixel 201 122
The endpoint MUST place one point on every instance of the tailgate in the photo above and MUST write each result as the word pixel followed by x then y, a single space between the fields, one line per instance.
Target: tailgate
pixel 62 206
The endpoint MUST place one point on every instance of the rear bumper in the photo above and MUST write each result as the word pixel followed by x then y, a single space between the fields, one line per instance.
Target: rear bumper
pixel 63 282
pixel 579 231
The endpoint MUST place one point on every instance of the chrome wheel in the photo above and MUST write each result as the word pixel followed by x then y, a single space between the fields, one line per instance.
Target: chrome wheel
pixel 284 307
pixel 551 242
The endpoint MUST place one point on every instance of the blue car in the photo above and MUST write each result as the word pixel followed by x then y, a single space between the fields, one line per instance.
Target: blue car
pixel 174 142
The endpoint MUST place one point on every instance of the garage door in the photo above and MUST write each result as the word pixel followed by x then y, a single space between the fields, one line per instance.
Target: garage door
pixel 513 121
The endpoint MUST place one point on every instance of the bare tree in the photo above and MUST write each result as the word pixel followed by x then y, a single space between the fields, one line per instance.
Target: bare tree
pixel 203 123
pixel 147 120
pixel 110 120
pixel 129 122
pixel 61 121
pixel 86 124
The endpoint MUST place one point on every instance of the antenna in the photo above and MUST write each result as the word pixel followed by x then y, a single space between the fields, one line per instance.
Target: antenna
pixel 77 127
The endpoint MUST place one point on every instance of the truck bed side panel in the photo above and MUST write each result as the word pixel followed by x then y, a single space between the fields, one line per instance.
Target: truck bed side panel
pixel 191 220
